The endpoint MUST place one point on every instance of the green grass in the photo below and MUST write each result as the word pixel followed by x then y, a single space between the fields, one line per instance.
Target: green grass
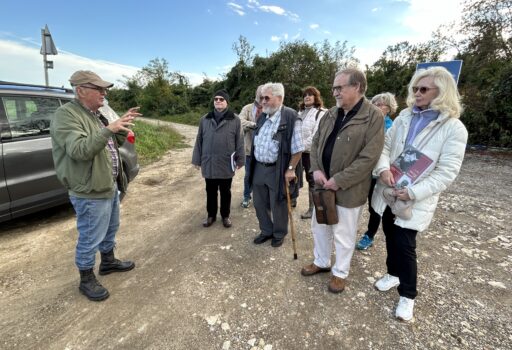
pixel 189 118
pixel 153 141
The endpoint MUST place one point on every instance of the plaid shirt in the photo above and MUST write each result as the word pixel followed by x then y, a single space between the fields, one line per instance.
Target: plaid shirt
pixel 266 148
pixel 111 147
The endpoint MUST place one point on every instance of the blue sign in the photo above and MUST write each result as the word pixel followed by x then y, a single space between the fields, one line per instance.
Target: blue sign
pixel 453 67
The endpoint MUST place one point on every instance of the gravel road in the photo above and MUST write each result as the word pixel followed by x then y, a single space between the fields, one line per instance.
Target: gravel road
pixel 212 288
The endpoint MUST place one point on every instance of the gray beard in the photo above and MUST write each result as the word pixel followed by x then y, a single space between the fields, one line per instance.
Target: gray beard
pixel 270 110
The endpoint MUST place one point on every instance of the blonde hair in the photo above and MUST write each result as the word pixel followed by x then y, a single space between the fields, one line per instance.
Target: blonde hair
pixel 388 99
pixel 448 99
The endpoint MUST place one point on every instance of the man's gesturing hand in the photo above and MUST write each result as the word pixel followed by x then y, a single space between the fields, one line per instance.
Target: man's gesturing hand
pixel 123 123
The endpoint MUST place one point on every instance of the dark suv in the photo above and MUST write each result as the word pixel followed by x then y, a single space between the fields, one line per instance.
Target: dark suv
pixel 28 182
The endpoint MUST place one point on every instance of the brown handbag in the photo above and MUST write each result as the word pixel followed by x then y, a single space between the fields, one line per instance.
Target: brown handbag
pixel 325 206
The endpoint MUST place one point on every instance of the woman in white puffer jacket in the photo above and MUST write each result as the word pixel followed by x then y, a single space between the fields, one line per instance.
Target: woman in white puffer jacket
pixel 433 104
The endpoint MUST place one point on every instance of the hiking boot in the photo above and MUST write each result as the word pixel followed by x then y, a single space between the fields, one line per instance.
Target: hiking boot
pixel 246 203
pixel 387 282
pixel 90 287
pixel 404 310
pixel 110 264
pixel 365 242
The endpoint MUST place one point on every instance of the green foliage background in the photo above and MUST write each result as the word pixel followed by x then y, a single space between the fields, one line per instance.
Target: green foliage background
pixel 485 83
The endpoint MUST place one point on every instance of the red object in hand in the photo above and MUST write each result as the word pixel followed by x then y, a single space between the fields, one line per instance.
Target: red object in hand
pixel 130 137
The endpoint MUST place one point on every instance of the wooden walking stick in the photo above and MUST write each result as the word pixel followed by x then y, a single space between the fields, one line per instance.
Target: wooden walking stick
pixel 288 201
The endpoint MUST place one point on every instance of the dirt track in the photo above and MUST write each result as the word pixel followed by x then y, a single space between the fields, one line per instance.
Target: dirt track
pixel 197 288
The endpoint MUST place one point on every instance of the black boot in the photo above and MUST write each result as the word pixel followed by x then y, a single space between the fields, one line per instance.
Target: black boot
pixel 110 264
pixel 309 213
pixel 90 287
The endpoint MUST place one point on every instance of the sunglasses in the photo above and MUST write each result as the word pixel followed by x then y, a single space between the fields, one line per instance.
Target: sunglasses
pixel 97 88
pixel 422 89
pixel 266 98
pixel 220 99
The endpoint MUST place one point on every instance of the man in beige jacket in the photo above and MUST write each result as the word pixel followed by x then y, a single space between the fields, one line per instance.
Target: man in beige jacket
pixel 344 151
pixel 249 116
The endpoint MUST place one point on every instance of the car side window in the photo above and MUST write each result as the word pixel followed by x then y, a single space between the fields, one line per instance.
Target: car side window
pixel 29 116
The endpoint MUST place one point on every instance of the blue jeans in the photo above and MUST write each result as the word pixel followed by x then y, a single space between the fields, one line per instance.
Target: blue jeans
pixel 97 221
pixel 247 186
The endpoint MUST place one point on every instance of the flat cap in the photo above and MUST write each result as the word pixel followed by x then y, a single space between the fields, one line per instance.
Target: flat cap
pixel 81 77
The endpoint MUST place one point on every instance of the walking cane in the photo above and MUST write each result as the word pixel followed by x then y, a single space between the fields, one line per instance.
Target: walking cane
pixel 288 201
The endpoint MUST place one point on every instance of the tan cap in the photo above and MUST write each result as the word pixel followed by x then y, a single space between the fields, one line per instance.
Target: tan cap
pixel 81 77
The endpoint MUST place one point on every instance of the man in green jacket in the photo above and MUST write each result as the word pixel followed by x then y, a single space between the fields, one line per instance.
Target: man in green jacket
pixel 86 156
pixel 344 150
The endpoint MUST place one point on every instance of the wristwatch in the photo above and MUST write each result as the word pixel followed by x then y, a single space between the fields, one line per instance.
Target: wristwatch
pixel 290 167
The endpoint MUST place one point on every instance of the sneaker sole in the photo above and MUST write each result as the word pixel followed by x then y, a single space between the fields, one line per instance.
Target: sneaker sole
pixel 403 320
pixel 385 290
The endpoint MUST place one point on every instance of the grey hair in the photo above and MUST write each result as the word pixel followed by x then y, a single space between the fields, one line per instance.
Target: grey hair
pixel 355 76
pixel 258 93
pixel 388 99
pixel 277 89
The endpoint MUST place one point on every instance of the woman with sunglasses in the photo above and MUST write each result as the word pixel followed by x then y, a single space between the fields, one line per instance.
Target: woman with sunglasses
pixel 387 104
pixel 311 110
pixel 430 124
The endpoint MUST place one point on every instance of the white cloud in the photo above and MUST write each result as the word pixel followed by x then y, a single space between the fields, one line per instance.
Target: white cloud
pixel 256 23
pixel 274 38
pixel 375 9
pixel 327 32
pixel 24 64
pixel 314 26
pixel 419 21
pixel 422 17
pixel 274 9
pixel 236 8
pixel 277 10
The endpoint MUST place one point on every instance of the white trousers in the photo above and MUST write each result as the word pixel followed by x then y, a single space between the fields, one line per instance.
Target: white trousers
pixel 344 234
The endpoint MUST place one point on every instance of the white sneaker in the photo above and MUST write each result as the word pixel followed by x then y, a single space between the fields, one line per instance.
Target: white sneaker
pixel 387 282
pixel 404 310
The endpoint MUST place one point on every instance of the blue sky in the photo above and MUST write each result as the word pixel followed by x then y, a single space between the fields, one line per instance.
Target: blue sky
pixel 116 38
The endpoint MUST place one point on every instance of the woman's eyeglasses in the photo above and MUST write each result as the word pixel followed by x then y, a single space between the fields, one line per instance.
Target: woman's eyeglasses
pixel 422 89
pixel 219 99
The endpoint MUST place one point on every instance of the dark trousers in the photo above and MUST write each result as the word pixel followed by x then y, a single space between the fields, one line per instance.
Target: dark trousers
pixel 374 221
pixel 272 213
pixel 306 163
pixel 401 258
pixel 213 186
pixel 247 185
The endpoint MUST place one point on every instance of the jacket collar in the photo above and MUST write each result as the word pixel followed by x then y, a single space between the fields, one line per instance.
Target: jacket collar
pixel 361 115
pixel 229 115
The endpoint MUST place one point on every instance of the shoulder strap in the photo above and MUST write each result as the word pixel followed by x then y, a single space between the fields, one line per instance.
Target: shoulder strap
pixel 431 133
pixel 317 113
